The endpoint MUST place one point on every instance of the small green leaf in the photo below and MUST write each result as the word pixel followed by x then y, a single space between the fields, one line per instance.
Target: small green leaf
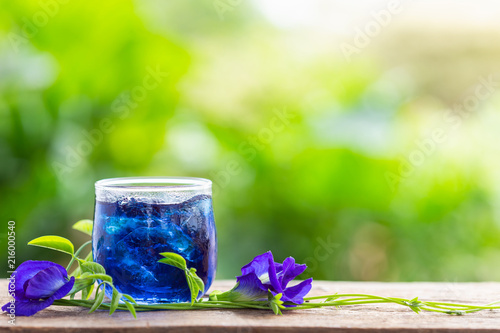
pixel 89 257
pixel 197 279
pixel 115 299
pixel 275 302
pixel 415 309
pixel 55 243
pixel 98 300
pixel 193 287
pixel 85 294
pixel 84 226
pixel 102 277
pixel 194 282
pixel 173 259
pixel 84 275
pixel 87 291
pixel 277 299
pixel 78 271
pixel 129 298
pixel 131 308
pixel 213 295
pixel 89 266
pixel 81 284
pixel 275 308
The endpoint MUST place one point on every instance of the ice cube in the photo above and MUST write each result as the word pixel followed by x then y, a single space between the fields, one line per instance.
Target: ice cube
pixel 138 254
pixel 195 216
pixel 132 207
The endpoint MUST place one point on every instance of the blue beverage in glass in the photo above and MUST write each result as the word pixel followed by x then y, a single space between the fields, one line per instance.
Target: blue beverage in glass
pixel 136 219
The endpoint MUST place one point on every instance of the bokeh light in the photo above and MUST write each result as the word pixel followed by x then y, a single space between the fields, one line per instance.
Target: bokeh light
pixel 362 139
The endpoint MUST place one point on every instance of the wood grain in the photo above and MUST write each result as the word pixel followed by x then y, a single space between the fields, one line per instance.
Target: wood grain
pixel 377 318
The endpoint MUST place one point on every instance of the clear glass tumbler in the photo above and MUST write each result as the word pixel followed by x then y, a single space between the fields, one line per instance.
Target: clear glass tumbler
pixel 138 218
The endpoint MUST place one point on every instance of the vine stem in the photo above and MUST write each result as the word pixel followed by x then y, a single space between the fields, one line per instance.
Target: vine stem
pixel 170 306
pixel 443 307
pixel 355 299
pixel 75 256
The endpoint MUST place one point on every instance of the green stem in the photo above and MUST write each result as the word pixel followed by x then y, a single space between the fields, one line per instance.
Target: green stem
pixel 347 299
pixel 443 307
pixel 75 256
pixel 487 306
pixel 77 271
pixel 349 295
pixel 335 303
pixel 169 306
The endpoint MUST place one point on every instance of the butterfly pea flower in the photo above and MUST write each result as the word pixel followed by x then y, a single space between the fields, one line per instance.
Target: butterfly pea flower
pixel 37 285
pixel 263 275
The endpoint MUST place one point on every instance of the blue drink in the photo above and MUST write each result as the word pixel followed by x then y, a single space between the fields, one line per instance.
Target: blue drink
pixel 131 232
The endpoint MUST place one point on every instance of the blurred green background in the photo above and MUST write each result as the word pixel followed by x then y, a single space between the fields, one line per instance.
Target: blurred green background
pixel 361 139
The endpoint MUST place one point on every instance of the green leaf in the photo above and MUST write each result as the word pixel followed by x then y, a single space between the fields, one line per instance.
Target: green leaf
pixel 415 309
pixel 98 300
pixel 85 294
pixel 115 299
pixel 213 295
pixel 277 298
pixel 89 257
pixel 84 226
pixel 81 284
pixel 84 275
pixel 197 279
pixel 129 298
pixel 131 308
pixel 275 302
pixel 173 259
pixel 78 271
pixel 89 266
pixel 275 308
pixel 55 243
pixel 194 282
pixel 102 277
pixel 87 291
pixel 193 287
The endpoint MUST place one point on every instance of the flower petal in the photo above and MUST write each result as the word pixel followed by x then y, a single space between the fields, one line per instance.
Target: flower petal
pixel 290 271
pixel 263 274
pixel 296 293
pixel 45 283
pixel 274 285
pixel 278 266
pixel 64 290
pixel 29 307
pixel 249 288
pixel 5 307
pixel 27 270
pixel 259 265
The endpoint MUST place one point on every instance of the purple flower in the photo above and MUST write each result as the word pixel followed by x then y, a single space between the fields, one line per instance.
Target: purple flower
pixel 37 285
pixel 263 274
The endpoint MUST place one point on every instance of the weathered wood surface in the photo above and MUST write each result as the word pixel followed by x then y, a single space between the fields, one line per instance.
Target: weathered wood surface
pixel 379 318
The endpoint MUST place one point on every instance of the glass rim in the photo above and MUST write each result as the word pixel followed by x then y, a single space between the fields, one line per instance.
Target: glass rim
pixel 153 184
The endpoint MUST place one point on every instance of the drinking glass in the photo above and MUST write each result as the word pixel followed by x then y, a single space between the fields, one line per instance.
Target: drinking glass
pixel 136 219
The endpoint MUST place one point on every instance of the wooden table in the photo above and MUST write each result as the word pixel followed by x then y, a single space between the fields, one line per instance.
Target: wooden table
pixel 380 318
